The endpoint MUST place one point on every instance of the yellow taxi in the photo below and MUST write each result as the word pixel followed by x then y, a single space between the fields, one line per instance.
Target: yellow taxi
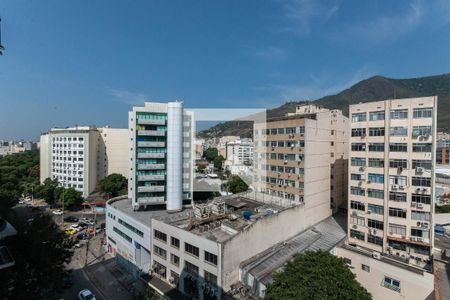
pixel 70 231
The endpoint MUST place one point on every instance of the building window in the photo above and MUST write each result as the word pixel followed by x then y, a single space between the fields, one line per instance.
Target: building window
pixel 398 131
pixel 211 258
pixel 354 176
pixel 417 147
pixel 376 147
pixel 358 162
pixel 396 196
pixel 175 260
pixel 347 261
pixel 210 278
pixel 376 162
pixel 420 216
pixel 421 130
pixel 357 220
pixel 358 147
pixel 357 205
pixel 174 242
pixel 376 178
pixel 373 193
pixel 398 180
pixel 419 198
pixel 398 163
pixel 161 236
pixel 357 191
pixel 122 234
pixel 398 147
pixel 391 284
pixel 357 234
pixel 359 117
pixel 159 269
pixel 399 114
pixel 373 239
pixel 160 252
pixel 131 228
pixel 397 229
pixel 191 249
pixel 358 132
pixel 365 268
pixel 190 268
pixel 376 115
pixel 419 113
pixel 375 224
pixel 421 181
pixel 422 163
pixel 397 212
pixel 376 131
pixel 375 209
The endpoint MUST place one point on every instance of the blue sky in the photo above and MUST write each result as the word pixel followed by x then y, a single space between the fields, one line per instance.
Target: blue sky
pixel 88 62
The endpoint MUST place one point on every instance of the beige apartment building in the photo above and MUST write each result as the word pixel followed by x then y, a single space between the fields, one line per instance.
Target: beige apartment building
pixel 303 157
pixel 391 192
pixel 81 156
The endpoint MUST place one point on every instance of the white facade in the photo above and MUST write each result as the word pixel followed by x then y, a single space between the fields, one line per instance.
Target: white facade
pixel 240 152
pixel 161 155
pixel 80 157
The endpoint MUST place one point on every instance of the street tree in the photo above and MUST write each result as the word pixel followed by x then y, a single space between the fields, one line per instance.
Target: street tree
pixel 316 275
pixel 114 185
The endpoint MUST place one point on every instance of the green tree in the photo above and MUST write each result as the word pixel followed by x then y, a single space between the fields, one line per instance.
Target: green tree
pixel 218 162
pixel 237 185
pixel 114 185
pixel 47 191
pixel 70 197
pixel 211 154
pixel 316 275
pixel 41 252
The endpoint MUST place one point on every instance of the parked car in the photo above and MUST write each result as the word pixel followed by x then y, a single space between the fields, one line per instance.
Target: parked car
pixel 57 212
pixel 84 220
pixel 90 222
pixel 98 229
pixel 82 236
pixel 70 231
pixel 71 219
pixel 86 295
pixel 76 227
pixel 83 225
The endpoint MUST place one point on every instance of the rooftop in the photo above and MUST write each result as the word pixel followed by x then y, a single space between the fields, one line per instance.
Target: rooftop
pixel 322 236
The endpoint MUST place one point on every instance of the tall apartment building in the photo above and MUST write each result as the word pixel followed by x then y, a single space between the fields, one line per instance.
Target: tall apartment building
pixel 303 157
pixel 240 152
pixel 391 196
pixel 443 152
pixel 161 155
pixel 81 156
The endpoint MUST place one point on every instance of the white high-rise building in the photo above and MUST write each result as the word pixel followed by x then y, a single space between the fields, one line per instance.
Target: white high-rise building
pixel 240 152
pixel 81 156
pixel 161 155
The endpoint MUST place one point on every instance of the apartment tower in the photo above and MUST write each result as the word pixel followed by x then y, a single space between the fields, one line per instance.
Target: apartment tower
pixel 161 155
pixel 391 180
pixel 303 157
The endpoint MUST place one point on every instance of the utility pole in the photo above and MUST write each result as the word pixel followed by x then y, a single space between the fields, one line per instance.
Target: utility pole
pixel 1 46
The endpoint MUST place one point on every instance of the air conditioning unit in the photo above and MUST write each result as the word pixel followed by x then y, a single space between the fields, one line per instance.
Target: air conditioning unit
pixel 417 189
pixel 376 255
pixel 285 161
pixel 419 239
pixel 355 226
pixel 399 169
pixel 425 225
pixel 413 238
pixel 424 190
pixel 419 170
pixel 354 213
pixel 419 205
pixel 368 181
pixel 402 187
pixel 394 186
pixel 362 169
pixel 363 135
pixel 419 223
pixel 369 212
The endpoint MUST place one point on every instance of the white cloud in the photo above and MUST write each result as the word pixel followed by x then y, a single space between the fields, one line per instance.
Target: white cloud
pixel 301 14
pixel 272 54
pixel 132 98
pixel 321 86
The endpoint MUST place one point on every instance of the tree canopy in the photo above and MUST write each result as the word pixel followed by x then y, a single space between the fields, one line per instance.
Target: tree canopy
pixel 41 252
pixel 316 275
pixel 114 185
pixel 211 154
pixel 237 185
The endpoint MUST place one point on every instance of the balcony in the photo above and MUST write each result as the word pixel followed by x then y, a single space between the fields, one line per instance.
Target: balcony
pixel 151 144
pixel 151 178
pixel 151 200
pixel 151 166
pixel 151 122
pixel 151 133
pixel 155 188
pixel 151 155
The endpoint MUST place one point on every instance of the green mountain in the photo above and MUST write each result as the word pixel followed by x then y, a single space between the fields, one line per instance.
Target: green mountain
pixel 372 89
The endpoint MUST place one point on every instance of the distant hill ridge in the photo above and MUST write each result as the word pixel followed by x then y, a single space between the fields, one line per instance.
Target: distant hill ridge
pixel 371 89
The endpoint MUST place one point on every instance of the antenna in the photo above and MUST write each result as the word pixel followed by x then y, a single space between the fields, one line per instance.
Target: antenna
pixel 1 46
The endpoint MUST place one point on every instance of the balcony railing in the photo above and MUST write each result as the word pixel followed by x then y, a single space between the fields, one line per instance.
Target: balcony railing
pixel 151 122
pixel 151 166
pixel 151 133
pixel 151 155
pixel 155 188
pixel 151 177
pixel 151 144
pixel 151 200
